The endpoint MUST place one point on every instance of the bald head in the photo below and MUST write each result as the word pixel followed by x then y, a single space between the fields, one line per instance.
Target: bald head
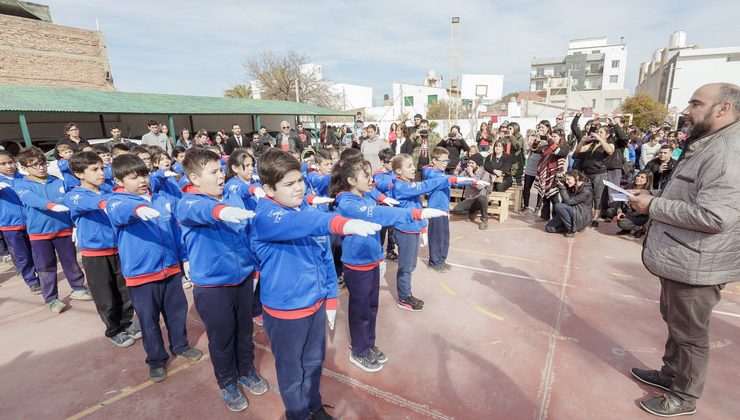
pixel 711 107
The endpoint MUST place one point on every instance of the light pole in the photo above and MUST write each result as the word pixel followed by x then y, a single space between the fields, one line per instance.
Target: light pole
pixel 455 56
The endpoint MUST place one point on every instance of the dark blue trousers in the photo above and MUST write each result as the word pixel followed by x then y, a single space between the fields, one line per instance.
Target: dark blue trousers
pixel 299 347
pixel 167 298
pixel 3 246
pixel 20 249
pixel 336 252
pixel 109 292
pixel 226 313
pixel 439 240
pixel 387 232
pixel 45 253
pixel 562 221
pixel 364 288
pixel 408 250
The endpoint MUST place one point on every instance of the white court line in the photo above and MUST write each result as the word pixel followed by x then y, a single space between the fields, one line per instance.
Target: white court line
pixel 727 313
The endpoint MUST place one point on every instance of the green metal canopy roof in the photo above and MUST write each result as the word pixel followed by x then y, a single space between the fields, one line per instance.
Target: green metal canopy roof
pixel 26 99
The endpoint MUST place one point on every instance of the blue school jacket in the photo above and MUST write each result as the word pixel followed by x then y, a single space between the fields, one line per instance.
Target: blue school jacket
pixel 238 187
pixel 317 183
pixel 296 264
pixel 70 180
pixel 110 182
pixel 11 207
pixel 177 167
pixel 95 235
pixel 408 192
pixel 220 252
pixel 150 250
pixel 364 253
pixel 37 198
pixel 440 197
pixel 165 185
pixel 383 181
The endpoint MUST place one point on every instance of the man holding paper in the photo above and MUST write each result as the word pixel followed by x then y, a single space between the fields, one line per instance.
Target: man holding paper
pixel 693 244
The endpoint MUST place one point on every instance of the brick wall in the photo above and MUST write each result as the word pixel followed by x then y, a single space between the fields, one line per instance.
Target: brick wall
pixel 39 53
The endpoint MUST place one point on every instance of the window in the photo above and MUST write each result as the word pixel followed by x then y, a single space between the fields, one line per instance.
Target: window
pixel 615 64
pixel 540 71
pixel 540 85
pixel 593 103
pixel 612 103
pixel 408 101
pixel 431 99
pixel 559 71
pixel 595 51
pixel 594 68
pixel 614 79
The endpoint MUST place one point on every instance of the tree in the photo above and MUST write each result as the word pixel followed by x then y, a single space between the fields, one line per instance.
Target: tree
pixel 239 91
pixel 439 110
pixel 645 110
pixel 278 77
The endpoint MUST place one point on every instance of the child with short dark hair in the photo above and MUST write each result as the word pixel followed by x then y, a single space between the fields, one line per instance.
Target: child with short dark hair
pixel 105 155
pixel 179 154
pixel 99 251
pixel 13 224
pixel 292 237
pixel 149 243
pixel 383 178
pixel 120 149
pixel 65 153
pixel 240 180
pixel 216 225
pixel 49 229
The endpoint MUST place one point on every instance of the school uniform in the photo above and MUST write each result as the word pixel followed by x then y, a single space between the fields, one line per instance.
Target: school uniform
pixel 151 252
pixel 50 234
pixel 245 190
pixel 97 244
pixel 70 180
pixel 222 268
pixel 177 167
pixel 13 228
pixel 298 285
pixel 169 185
pixel 383 183
pixel 361 257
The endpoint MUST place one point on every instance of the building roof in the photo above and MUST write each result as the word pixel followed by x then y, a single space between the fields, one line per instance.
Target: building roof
pixel 22 98
pixel 25 9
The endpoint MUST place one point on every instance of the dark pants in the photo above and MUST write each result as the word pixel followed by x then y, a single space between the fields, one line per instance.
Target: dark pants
pixel 408 251
pixel 528 182
pixel 614 176
pixel 562 221
pixel 633 222
pixel 298 346
pixel 109 292
pixel 471 205
pixel 439 240
pixel 3 246
pixel 503 185
pixel 226 313
pixel 548 206
pixel 597 184
pixel 20 249
pixel 364 288
pixel 387 231
pixel 687 309
pixel 257 302
pixel 45 260
pixel 167 298
pixel 336 252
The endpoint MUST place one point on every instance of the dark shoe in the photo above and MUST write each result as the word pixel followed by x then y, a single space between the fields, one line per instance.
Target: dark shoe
pixel 411 304
pixel 668 405
pixel 594 224
pixel 471 217
pixel 157 374
pixel 340 281
pixel 651 377
pixel 35 289
pixel 438 268
pixel 483 225
pixel 321 415
pixel 638 233
pixel 379 355
pixel 391 256
pixel 134 330
pixel 235 400
pixel 447 266
pixel 256 384
pixel 122 339
pixel 569 235
pixel 623 232
pixel 191 354
pixel 367 363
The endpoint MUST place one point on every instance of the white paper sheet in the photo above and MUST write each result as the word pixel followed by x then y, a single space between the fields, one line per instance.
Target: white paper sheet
pixel 617 188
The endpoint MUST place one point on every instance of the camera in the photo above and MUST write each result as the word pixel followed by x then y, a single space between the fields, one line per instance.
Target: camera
pixel 464 164
pixel 424 133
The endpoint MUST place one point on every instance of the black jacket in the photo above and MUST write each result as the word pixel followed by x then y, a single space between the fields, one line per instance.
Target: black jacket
pixel 75 146
pixel 259 146
pixel 621 141
pixel 503 165
pixel 660 178
pixel 232 144
pixel 454 147
pixel 581 201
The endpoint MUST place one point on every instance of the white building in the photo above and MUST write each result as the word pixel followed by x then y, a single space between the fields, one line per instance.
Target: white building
pixel 596 69
pixel 414 99
pixel 678 69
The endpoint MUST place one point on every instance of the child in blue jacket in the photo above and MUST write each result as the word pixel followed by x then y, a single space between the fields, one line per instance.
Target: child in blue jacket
pixel 13 223
pixel 239 178
pixel 49 229
pixel 97 245
pixel 383 179
pixel 65 153
pixel 223 269
pixel 149 243
pixel 361 256
pixel 298 282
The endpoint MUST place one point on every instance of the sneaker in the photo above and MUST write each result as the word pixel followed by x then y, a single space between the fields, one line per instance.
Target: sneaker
pixel 391 256
pixel 186 283
pixel 256 384
pixel 528 210
pixel 471 217
pixel 57 306
pixel 438 268
pixel 321 415
pixel 668 405
pixel 191 354
pixel 594 224
pixel 83 294
pixel 379 355
pixel 367 363
pixel 133 330
pixel 411 304
pixel 259 320
pixel 623 232
pixel 122 339
pixel 235 400
pixel 7 259
pixel 35 289
pixel 638 233
pixel 651 377
pixel 340 282
pixel 483 225
pixel 157 374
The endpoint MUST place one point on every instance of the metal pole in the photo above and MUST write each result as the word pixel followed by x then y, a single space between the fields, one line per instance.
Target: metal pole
pixel 171 123
pixel 102 125
pixel 24 129
pixel 567 91
pixel 257 123
pixel 297 98
pixel 452 95
pixel 458 103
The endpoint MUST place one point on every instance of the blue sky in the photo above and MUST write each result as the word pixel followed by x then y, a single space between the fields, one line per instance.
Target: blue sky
pixel 198 48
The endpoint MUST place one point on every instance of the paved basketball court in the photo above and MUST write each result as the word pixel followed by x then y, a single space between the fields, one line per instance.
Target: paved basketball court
pixel 527 325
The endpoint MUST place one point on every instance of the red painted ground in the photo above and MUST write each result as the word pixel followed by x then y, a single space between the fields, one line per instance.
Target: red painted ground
pixel 527 325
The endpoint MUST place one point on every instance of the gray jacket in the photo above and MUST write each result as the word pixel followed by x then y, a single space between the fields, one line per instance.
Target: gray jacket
pixel 694 237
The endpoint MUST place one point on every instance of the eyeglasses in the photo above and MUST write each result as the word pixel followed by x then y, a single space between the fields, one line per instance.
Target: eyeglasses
pixel 38 165
pixel 443 160
pixel 285 127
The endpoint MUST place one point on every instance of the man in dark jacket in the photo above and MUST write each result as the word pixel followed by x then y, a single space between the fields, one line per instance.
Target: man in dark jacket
pixel 72 138
pixel 455 144
pixel 287 139
pixel 662 166
pixel 258 145
pixel 235 140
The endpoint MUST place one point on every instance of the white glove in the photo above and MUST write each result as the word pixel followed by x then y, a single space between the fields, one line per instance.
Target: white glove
pixel 59 208
pixel 170 173
pixel 74 235
pixel 424 239
pixel 256 177
pixel 259 193
pixel 4 185
pixel 331 316
pixel 382 266
pixel 147 213
pixel 360 228
pixel 186 269
pixel 464 179
pixel 234 214
pixel 483 184
pixel 391 201
pixel 430 213
pixel 322 200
